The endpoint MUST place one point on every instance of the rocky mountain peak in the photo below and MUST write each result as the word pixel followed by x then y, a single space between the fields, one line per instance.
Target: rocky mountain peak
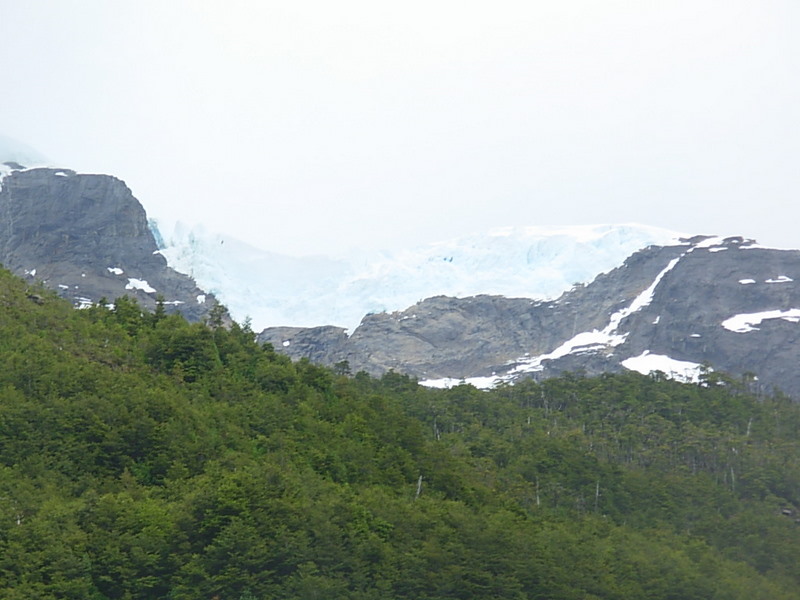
pixel 87 237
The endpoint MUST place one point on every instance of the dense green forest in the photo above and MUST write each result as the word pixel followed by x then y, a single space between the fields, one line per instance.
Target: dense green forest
pixel 144 457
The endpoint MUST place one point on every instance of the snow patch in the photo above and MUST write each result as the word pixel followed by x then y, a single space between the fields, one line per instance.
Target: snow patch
pixel 115 270
pixel 753 245
pixel 747 281
pixel 139 284
pixel 483 383
pixel 711 242
pixel 201 298
pixel 83 303
pixel 780 279
pixel 681 370
pixel 747 322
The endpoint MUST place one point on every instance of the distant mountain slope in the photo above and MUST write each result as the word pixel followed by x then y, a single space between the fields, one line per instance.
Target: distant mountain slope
pixel 727 303
pixel 276 290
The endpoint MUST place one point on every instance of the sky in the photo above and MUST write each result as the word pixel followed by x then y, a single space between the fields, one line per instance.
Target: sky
pixel 309 127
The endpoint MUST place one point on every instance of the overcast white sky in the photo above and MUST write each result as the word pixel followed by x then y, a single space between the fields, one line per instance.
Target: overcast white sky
pixel 311 126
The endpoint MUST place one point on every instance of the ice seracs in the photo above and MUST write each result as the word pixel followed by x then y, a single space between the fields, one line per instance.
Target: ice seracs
pixel 274 289
pixel 14 156
pixel 14 151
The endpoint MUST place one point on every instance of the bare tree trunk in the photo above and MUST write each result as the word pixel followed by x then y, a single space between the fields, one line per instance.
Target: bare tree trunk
pixel 596 495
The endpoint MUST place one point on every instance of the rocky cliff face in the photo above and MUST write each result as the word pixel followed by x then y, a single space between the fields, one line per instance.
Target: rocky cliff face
pixel 87 237
pixel 726 303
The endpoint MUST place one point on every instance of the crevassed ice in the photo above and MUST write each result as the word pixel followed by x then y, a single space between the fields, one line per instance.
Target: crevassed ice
pixel 307 291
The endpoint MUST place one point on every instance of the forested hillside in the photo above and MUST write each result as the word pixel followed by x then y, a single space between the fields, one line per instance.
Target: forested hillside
pixel 144 457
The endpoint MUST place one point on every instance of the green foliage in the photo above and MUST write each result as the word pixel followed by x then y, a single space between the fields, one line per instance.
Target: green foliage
pixel 145 457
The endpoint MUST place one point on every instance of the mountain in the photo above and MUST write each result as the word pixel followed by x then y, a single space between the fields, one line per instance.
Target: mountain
pixel 724 303
pixel 87 237
pixel 273 289
pixel 515 303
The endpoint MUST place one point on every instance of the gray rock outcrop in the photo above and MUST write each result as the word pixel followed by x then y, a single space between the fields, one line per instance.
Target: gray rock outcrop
pixel 87 237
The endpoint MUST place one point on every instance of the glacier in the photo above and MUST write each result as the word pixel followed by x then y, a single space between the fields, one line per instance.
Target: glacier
pixel 272 289
pixel 12 150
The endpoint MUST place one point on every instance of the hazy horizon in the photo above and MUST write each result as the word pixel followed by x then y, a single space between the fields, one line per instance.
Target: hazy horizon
pixel 304 127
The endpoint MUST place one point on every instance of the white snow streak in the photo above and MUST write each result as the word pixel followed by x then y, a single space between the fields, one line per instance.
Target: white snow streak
pixel 589 341
pixel 747 322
